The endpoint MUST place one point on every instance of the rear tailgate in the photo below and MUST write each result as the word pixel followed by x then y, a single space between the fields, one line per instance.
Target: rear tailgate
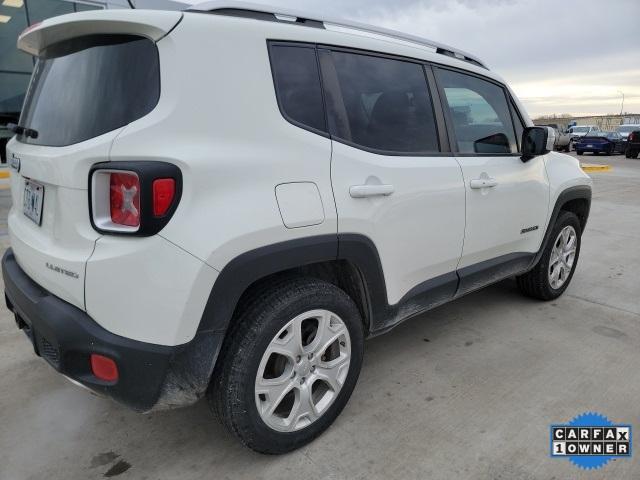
pixel 94 74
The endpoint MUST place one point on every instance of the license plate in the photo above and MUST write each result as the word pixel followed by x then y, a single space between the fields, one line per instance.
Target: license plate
pixel 33 200
pixel 589 146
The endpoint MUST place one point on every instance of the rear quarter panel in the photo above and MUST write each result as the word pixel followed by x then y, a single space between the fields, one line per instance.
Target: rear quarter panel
pixel 219 121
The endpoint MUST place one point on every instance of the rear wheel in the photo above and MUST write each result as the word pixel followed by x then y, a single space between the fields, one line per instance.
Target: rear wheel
pixel 289 368
pixel 631 154
pixel 553 272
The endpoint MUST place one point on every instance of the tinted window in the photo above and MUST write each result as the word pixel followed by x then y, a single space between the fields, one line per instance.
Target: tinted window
pixel 517 122
pixel 479 112
pixel 89 86
pixel 379 103
pixel 297 81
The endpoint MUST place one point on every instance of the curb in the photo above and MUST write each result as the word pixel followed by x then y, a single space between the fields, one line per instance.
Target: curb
pixel 590 167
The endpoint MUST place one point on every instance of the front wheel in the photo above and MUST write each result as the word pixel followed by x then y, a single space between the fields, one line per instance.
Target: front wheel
pixel 580 152
pixel 290 365
pixel 553 272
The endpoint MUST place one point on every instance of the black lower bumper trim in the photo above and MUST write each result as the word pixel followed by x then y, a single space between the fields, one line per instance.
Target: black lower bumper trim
pixel 66 336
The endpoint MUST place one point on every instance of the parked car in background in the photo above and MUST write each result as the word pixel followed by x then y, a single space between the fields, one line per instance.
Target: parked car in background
pixel 625 130
pixel 608 143
pixel 633 144
pixel 563 139
pixel 578 131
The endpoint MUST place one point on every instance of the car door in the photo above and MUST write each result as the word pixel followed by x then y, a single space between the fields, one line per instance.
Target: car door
pixel 391 181
pixel 507 200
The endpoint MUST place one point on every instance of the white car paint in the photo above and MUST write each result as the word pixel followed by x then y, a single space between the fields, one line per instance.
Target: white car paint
pixel 218 120
pixel 497 215
pixel 418 230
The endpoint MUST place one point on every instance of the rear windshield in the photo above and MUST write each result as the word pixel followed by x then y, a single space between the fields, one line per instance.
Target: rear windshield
pixel 628 129
pixel 88 86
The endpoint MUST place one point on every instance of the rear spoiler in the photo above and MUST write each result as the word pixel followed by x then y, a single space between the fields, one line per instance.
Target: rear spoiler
pixel 152 24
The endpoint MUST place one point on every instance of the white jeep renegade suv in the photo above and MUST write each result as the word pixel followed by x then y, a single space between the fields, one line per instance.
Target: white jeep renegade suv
pixel 228 200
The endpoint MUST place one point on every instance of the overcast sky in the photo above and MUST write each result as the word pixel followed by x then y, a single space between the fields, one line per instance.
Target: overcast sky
pixel 560 56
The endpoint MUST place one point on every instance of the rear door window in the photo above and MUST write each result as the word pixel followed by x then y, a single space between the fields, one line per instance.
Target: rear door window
pixel 89 86
pixel 379 103
pixel 479 113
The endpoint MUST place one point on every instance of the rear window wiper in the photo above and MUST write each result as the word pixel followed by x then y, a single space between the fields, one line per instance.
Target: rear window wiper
pixel 20 130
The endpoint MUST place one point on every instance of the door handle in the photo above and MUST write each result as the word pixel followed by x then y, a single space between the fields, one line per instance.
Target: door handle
pixel 362 191
pixel 483 183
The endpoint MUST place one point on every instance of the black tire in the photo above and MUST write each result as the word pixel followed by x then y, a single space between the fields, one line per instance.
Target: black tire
pixel 231 393
pixel 535 283
pixel 568 148
pixel 579 152
pixel 631 154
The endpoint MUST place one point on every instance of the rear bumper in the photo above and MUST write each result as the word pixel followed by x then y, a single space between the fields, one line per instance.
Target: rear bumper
pixel 150 376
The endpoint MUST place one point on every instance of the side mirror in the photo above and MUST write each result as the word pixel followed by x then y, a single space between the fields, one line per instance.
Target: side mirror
pixel 537 141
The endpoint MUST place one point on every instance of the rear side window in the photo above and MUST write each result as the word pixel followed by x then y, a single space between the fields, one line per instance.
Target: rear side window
pixel 90 85
pixel 297 82
pixel 479 112
pixel 379 103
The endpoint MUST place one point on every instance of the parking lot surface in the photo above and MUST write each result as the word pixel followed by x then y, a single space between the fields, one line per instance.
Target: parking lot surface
pixel 468 390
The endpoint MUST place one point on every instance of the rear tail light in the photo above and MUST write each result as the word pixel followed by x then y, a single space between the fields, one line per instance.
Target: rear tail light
pixel 115 201
pixel 632 137
pixel 104 368
pixel 124 199
pixel 134 198
pixel 164 189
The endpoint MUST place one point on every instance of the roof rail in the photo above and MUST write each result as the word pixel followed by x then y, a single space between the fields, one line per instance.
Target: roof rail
pixel 278 14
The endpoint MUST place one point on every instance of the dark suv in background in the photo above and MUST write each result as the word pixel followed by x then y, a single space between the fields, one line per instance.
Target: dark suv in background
pixel 633 144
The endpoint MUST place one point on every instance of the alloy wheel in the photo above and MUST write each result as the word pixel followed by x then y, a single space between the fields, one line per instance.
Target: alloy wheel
pixel 563 255
pixel 302 370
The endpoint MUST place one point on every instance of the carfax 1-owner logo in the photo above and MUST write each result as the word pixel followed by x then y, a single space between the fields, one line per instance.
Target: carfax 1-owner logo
pixel 590 440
